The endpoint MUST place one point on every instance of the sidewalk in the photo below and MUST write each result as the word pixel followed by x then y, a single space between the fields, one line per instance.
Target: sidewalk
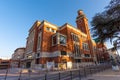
pixel 106 75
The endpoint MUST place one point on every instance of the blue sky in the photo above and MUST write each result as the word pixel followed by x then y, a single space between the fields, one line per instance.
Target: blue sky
pixel 17 17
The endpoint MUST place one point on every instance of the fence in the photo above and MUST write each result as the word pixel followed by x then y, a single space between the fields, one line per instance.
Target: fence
pixel 72 74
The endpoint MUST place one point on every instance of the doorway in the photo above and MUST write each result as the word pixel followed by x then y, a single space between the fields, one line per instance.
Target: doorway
pixel 28 64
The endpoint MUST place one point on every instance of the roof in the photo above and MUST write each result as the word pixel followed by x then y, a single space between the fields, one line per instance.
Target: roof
pixel 20 48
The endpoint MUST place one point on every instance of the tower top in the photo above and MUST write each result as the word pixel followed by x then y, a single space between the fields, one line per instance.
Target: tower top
pixel 80 12
pixel 81 21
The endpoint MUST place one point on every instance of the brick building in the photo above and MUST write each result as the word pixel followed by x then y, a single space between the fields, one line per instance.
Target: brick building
pixel 62 47
pixel 113 54
pixel 102 53
pixel 18 57
pixel 4 63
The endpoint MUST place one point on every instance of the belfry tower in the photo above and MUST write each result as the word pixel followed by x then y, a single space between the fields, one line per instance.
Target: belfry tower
pixel 82 25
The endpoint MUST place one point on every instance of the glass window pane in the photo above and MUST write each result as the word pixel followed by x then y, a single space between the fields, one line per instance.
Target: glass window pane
pixel 62 39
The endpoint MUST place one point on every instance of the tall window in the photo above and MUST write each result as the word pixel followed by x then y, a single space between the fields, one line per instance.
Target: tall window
pixel 39 41
pixel 77 50
pixel 75 37
pixel 76 40
pixel 85 46
pixel 37 61
pixel 54 40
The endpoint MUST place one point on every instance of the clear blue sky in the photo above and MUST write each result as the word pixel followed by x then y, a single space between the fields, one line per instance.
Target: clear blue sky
pixel 17 17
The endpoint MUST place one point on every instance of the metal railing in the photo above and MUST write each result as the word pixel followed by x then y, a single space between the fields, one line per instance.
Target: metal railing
pixel 72 74
pixel 80 73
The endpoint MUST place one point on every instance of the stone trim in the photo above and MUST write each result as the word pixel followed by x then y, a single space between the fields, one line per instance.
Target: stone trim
pixel 47 24
pixel 52 54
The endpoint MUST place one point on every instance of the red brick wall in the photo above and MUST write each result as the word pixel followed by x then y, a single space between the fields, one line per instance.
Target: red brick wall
pixel 81 25
pixel 35 39
pixel 46 40
pixel 55 59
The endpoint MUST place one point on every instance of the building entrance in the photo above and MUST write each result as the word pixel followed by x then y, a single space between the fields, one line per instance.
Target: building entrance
pixel 28 64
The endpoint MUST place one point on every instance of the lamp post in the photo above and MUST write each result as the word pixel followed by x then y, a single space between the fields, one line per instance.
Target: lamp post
pixel 19 63
pixel 18 59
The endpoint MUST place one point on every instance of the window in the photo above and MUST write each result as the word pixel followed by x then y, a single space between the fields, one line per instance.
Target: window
pixel 47 28
pixel 42 65
pixel 77 50
pixel 75 37
pixel 78 60
pixel 94 48
pixel 62 39
pixel 87 55
pixel 54 40
pixel 58 39
pixel 37 61
pixel 63 53
pixel 85 46
pixel 50 29
pixel 53 30
pixel 56 65
pixel 37 55
pixel 38 42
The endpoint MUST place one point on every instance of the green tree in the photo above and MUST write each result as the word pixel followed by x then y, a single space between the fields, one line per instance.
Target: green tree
pixel 106 25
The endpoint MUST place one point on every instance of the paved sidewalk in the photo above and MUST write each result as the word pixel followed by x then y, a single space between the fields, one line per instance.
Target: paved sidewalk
pixel 106 75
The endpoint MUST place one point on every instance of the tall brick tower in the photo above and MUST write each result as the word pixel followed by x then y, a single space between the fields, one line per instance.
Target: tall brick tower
pixel 82 24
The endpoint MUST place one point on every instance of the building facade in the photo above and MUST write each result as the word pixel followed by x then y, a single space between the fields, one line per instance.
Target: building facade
pixel 18 57
pixel 4 63
pixel 64 47
pixel 113 55
pixel 102 53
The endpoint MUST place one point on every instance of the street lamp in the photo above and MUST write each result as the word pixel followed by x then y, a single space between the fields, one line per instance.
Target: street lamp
pixel 18 59
pixel 19 63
